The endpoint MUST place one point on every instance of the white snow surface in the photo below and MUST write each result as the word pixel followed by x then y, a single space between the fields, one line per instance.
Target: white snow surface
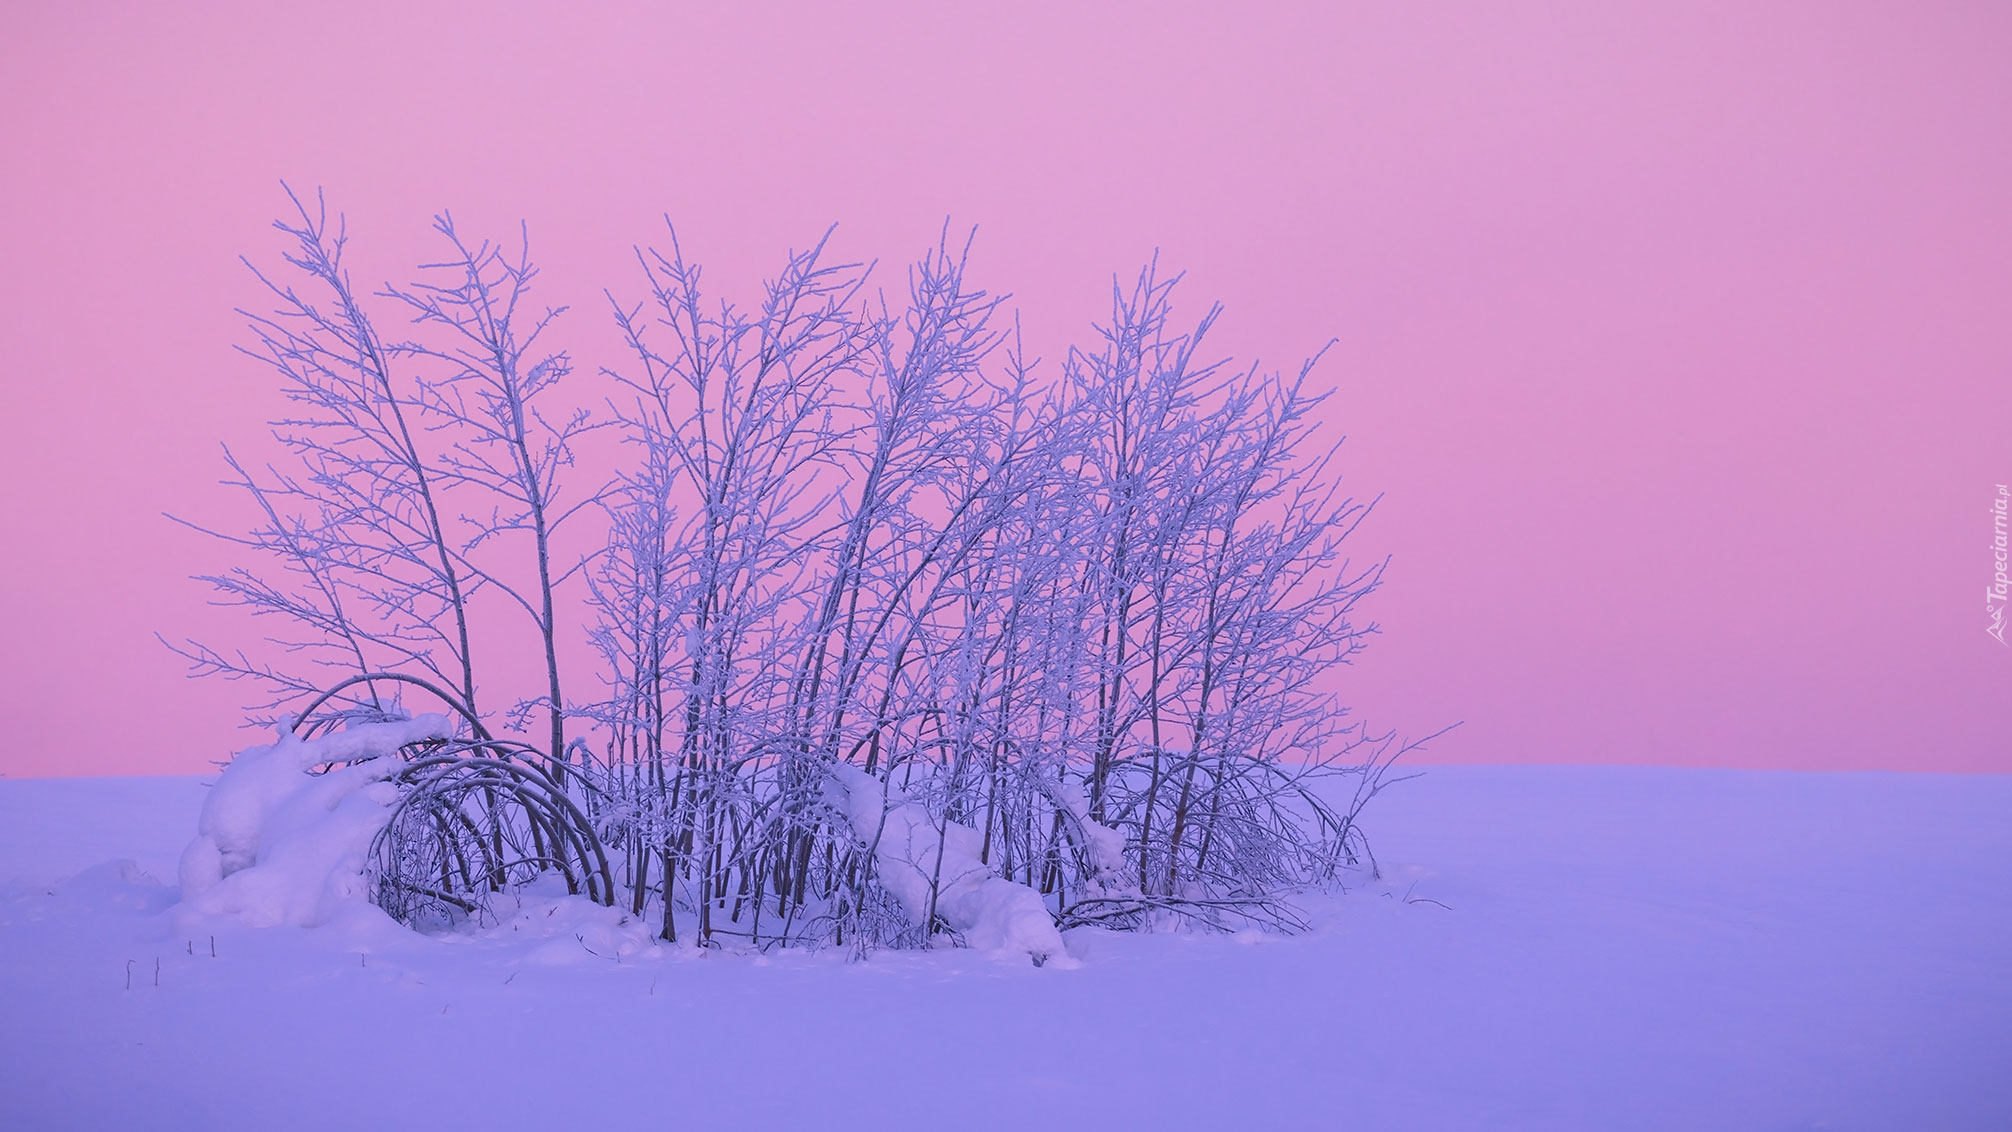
pixel 277 845
pixel 1550 948
pixel 912 854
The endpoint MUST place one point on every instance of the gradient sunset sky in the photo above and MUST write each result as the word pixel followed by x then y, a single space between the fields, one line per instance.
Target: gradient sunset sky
pixel 1677 338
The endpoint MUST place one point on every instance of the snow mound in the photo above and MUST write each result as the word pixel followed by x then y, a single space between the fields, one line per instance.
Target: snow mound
pixel 119 885
pixel 277 845
pixel 565 929
pixel 991 913
pixel 1110 874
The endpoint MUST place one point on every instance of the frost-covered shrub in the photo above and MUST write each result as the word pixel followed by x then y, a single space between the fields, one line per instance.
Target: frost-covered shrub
pixel 899 636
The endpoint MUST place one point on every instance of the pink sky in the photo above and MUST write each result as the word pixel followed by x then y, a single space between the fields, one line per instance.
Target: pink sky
pixel 1677 342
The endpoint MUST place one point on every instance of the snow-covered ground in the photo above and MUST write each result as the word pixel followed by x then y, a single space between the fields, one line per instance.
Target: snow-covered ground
pixel 1595 948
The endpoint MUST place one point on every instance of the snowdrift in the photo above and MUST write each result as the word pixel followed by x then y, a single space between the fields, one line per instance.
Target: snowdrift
pixel 917 855
pixel 277 845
